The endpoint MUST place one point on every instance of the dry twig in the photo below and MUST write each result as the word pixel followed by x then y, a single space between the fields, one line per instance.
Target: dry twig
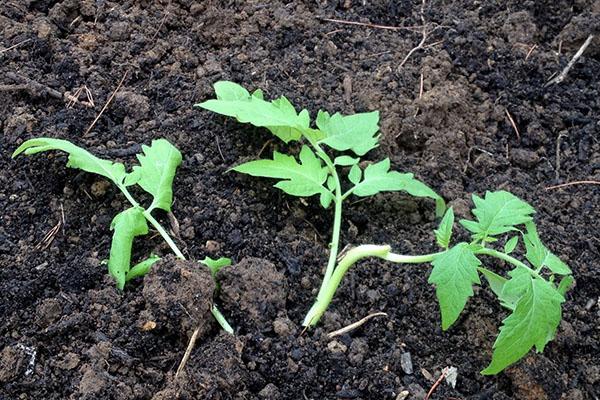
pixel 426 30
pixel 512 122
pixel 369 25
pixel 565 71
pixel 107 103
pixel 355 325
pixel 562 185
pixel 437 383
pixel 14 46
pixel 187 353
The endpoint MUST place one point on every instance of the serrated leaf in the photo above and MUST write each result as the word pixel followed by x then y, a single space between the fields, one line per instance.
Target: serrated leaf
pixel 355 132
pixel 156 172
pixel 279 116
pixel 355 174
pixel 78 157
pixel 141 268
pixel 216 265
pixel 378 178
pixel 444 232
pixel 538 255
pixel 515 287
pixel 454 273
pixel 498 213
pixel 495 281
pixel 305 179
pixel 126 225
pixel 345 161
pixel 511 244
pixel 533 323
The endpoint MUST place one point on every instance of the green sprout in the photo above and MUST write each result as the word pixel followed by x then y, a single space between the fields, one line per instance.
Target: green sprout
pixel 535 302
pixel 155 174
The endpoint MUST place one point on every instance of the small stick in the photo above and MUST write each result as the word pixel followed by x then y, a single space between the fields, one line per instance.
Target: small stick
pixel 14 46
pixel 566 70
pixel 219 148
pixel 355 325
pixel 512 122
pixel 107 103
pixel 187 353
pixel 420 94
pixel 530 51
pixel 557 157
pixel 437 383
pixel 572 184
pixel 368 25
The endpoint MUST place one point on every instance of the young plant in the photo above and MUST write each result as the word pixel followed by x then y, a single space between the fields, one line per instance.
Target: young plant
pixel 154 174
pixel 534 300
pixel 317 173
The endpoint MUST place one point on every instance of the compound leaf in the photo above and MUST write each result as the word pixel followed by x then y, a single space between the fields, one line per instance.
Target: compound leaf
pixel 444 232
pixel 156 172
pixel 78 157
pixel 279 116
pixel 305 179
pixel 532 323
pixel 355 132
pixel 498 213
pixel 126 225
pixel 141 268
pixel 454 273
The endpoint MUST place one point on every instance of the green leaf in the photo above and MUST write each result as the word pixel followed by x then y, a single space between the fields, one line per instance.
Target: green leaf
pixel 454 273
pixel 78 157
pixel 532 323
pixel 215 265
pixel 279 116
pixel 230 91
pixel 538 255
pixel 345 161
pixel 444 232
pixel 515 287
pixel 511 244
pixel 495 281
pixel 355 132
pixel 141 268
pixel 378 178
pixel 305 179
pixel 498 213
pixel 126 225
pixel 355 174
pixel 565 284
pixel 156 172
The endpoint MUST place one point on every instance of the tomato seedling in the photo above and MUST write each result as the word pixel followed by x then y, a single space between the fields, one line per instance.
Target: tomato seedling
pixel 535 301
pixel 155 173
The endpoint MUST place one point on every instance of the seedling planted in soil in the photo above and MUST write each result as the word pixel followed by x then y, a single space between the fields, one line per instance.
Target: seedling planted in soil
pixel 155 174
pixel 534 300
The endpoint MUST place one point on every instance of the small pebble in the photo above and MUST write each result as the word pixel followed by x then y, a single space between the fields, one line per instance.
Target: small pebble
pixel 406 363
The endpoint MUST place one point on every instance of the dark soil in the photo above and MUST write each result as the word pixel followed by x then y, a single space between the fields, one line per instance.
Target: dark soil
pixel 67 333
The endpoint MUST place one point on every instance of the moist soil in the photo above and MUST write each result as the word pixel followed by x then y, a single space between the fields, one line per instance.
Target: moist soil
pixel 68 333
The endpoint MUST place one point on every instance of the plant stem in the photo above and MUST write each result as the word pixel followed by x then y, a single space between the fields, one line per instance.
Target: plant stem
pixel 164 234
pixel 509 259
pixel 353 256
pixel 154 222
